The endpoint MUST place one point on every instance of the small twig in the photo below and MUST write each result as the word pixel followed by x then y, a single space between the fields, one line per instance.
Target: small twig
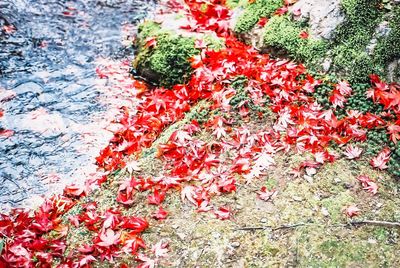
pixel 376 223
pixel 388 224
pixel 290 226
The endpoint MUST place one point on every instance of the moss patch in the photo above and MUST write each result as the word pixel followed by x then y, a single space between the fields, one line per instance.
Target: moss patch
pixel 237 3
pixel 253 12
pixel 388 48
pixel 349 51
pixel 283 33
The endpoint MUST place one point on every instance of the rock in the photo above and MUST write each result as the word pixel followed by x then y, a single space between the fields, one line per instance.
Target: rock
pixel 337 180
pixel 309 179
pixel 326 65
pixel 311 171
pixel 323 16
pixel 216 235
pixel 325 211
pixel 181 236
pixel 235 244
pixel 383 29
pixel 392 70
pixel 264 220
pixel 297 198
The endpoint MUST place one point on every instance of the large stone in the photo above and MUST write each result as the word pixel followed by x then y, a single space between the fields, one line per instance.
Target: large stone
pixel 323 16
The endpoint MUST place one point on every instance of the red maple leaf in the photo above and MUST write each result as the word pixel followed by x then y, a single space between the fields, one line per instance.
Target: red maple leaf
pixel 262 22
pixel 136 224
pixel 150 42
pixel 352 211
pixel 160 214
pixel 368 184
pixel 157 198
pixel 222 213
pixel 160 249
pixel 304 35
pixel 344 88
pixel 394 131
pixel 381 159
pixel 6 133
pixel 352 152
pixel 281 11
pixel 108 238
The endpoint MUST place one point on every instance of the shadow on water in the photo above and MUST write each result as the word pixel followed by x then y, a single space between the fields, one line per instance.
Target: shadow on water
pixel 48 51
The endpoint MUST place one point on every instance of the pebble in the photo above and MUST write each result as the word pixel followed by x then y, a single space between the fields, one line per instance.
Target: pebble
pixel 175 226
pixel 181 236
pixel 235 244
pixel 337 180
pixel 325 211
pixel 264 220
pixel 311 171
pixel 297 198
pixel 216 235
pixel 309 179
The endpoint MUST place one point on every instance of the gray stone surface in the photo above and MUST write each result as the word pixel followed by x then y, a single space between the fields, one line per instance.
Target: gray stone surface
pixel 323 16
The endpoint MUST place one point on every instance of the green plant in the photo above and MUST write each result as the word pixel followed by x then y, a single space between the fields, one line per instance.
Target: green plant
pixel 388 47
pixel 321 95
pixel 237 3
pixel 283 33
pixel 253 12
pixel 360 102
pixel 394 162
pixel 242 96
pixel 349 52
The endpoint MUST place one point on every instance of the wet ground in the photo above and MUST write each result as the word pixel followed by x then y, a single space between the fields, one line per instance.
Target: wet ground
pixel 49 88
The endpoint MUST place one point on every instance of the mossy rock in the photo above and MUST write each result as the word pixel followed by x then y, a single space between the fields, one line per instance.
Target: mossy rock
pixel 357 48
pixel 167 63
pixel 281 32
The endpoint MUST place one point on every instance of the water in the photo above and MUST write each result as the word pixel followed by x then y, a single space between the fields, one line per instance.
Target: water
pixel 50 89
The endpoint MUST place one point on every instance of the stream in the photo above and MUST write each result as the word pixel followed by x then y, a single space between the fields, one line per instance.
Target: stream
pixel 49 89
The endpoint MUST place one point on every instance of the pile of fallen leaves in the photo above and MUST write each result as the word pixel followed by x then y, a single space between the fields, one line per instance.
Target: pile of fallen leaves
pixel 200 168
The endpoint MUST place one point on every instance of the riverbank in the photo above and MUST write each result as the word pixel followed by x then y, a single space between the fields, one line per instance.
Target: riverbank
pixel 253 161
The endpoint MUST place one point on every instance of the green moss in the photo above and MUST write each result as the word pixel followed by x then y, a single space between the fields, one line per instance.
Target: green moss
pixel 283 33
pixel 236 3
pixel 349 51
pixel 360 102
pixel 214 42
pixel 377 139
pixel 168 60
pixel 243 98
pixel 388 47
pixel 394 163
pixel 255 11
